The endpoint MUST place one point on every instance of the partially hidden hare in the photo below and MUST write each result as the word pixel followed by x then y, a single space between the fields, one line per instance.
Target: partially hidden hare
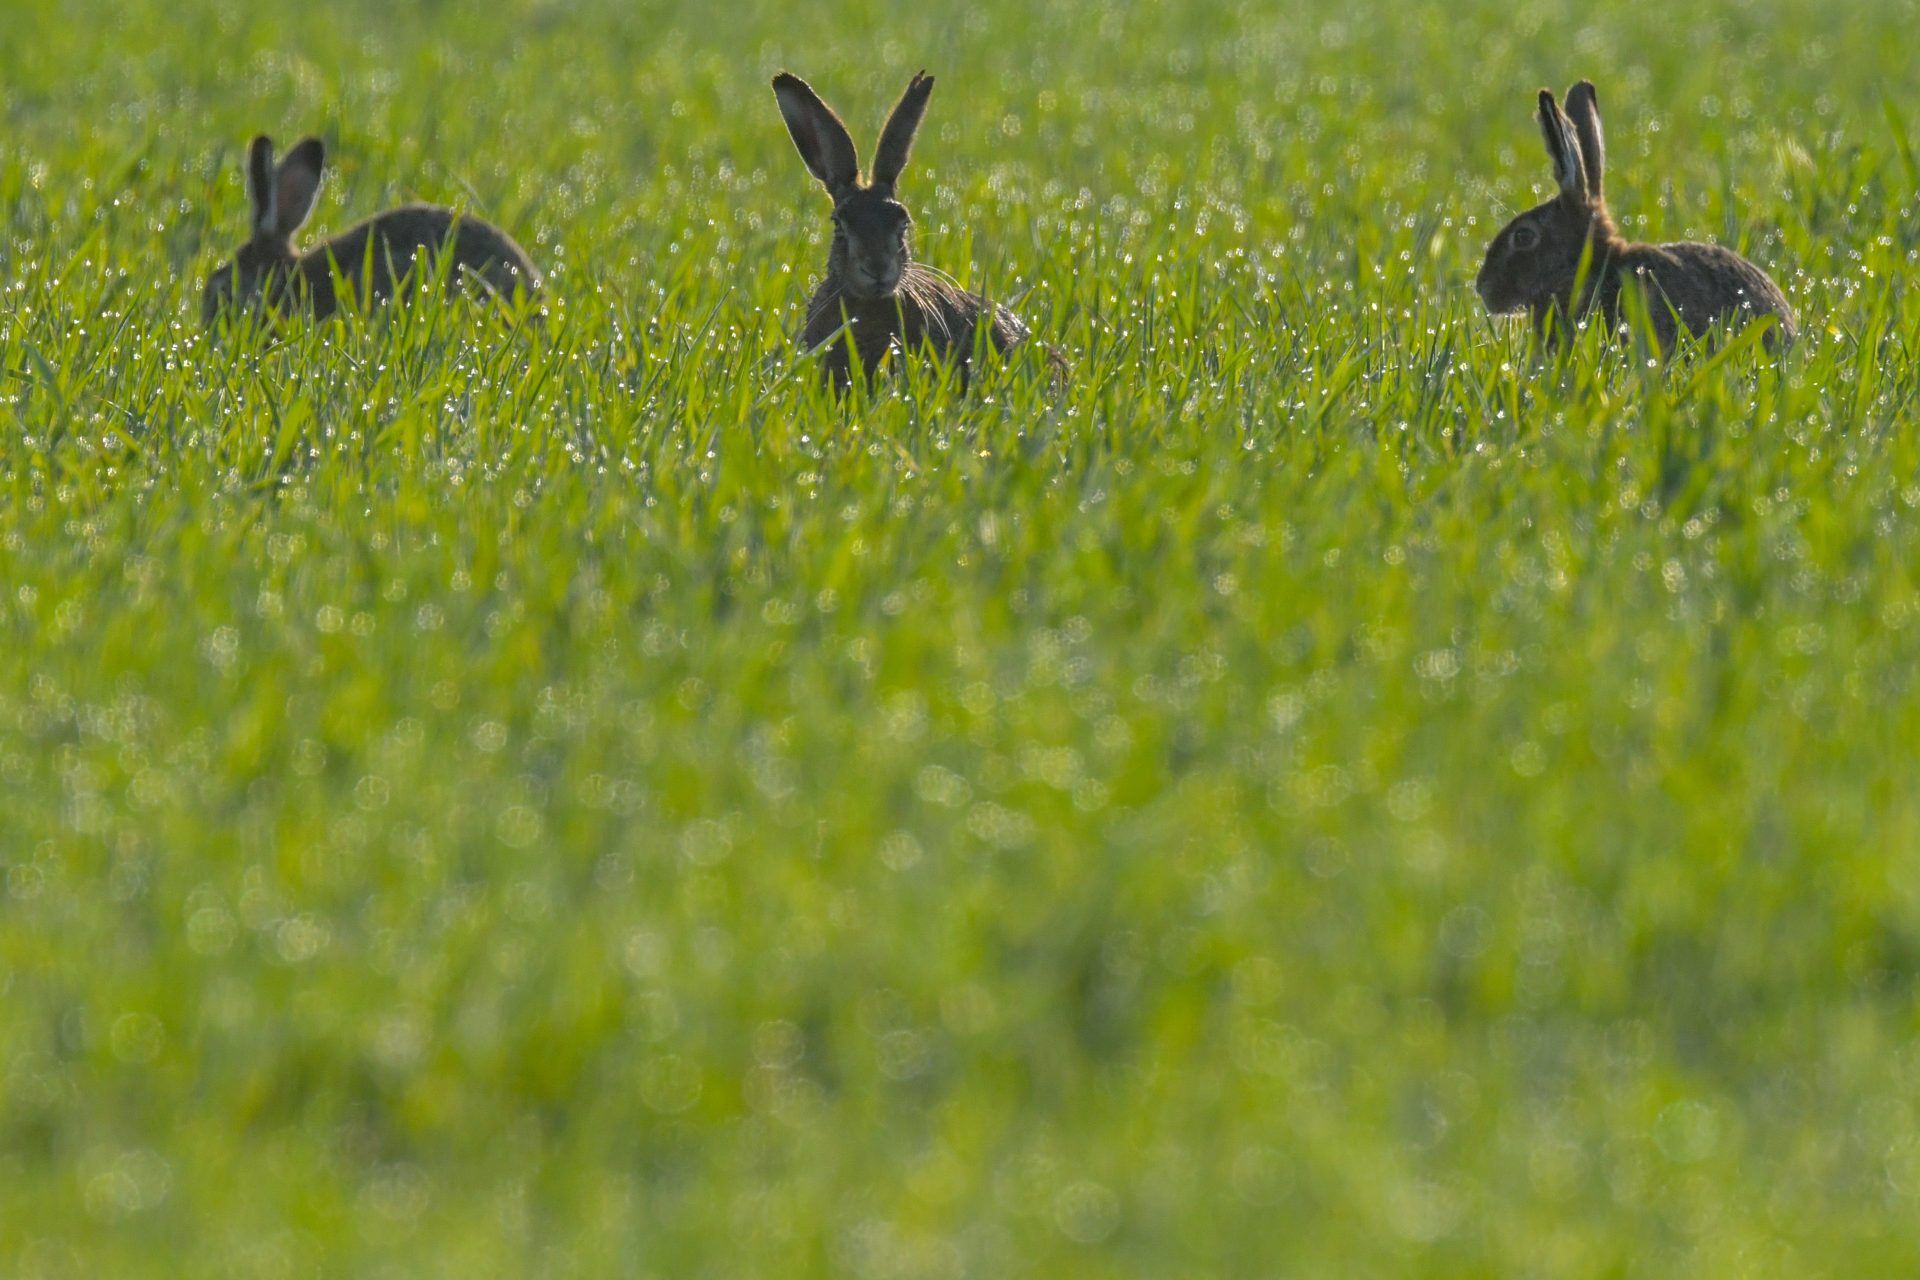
pixel 372 257
pixel 1534 263
pixel 874 288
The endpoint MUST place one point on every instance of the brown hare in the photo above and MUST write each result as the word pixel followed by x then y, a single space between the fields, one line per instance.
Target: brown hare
pixel 372 257
pixel 874 289
pixel 1534 263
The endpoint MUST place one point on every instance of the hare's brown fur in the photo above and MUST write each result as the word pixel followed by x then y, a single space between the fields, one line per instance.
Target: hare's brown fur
pixel 373 257
pixel 1539 259
pixel 925 312
pixel 874 294
pixel 407 240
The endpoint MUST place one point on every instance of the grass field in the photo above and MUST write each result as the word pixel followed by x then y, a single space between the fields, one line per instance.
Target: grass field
pixel 1323 794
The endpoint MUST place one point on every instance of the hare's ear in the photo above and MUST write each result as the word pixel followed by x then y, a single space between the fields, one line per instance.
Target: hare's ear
pixel 260 184
pixel 822 140
pixel 295 184
pixel 896 140
pixel 1563 148
pixel 1583 108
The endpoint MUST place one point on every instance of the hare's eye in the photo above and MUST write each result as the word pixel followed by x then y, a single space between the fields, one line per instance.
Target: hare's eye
pixel 1525 237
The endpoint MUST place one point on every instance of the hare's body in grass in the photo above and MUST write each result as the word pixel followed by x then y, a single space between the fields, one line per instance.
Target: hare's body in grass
pixel 1539 259
pixel 926 312
pixel 873 289
pixel 373 257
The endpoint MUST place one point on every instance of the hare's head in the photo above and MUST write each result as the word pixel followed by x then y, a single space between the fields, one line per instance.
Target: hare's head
pixel 1537 256
pixel 870 227
pixel 282 196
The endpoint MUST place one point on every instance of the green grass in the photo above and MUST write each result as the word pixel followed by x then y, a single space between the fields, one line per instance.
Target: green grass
pixel 1323 794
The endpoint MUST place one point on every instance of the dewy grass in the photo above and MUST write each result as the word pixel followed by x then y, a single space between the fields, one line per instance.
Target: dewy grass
pixel 1323 791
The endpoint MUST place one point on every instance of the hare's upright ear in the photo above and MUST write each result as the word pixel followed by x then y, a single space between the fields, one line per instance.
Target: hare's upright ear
pixel 822 140
pixel 295 184
pixel 260 184
pixel 1583 108
pixel 896 140
pixel 1563 148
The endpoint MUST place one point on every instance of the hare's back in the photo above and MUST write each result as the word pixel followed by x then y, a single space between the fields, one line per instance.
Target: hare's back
pixel 947 315
pixel 1706 283
pixel 1009 330
pixel 417 232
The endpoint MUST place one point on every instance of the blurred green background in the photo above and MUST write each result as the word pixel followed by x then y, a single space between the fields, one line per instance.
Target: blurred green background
pixel 1321 794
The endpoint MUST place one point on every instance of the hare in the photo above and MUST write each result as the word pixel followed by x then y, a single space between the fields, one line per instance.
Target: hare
pixel 873 287
pixel 372 257
pixel 1535 261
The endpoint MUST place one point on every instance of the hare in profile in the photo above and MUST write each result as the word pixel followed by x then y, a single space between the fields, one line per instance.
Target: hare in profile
pixel 1534 263
pixel 873 288
pixel 373 257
